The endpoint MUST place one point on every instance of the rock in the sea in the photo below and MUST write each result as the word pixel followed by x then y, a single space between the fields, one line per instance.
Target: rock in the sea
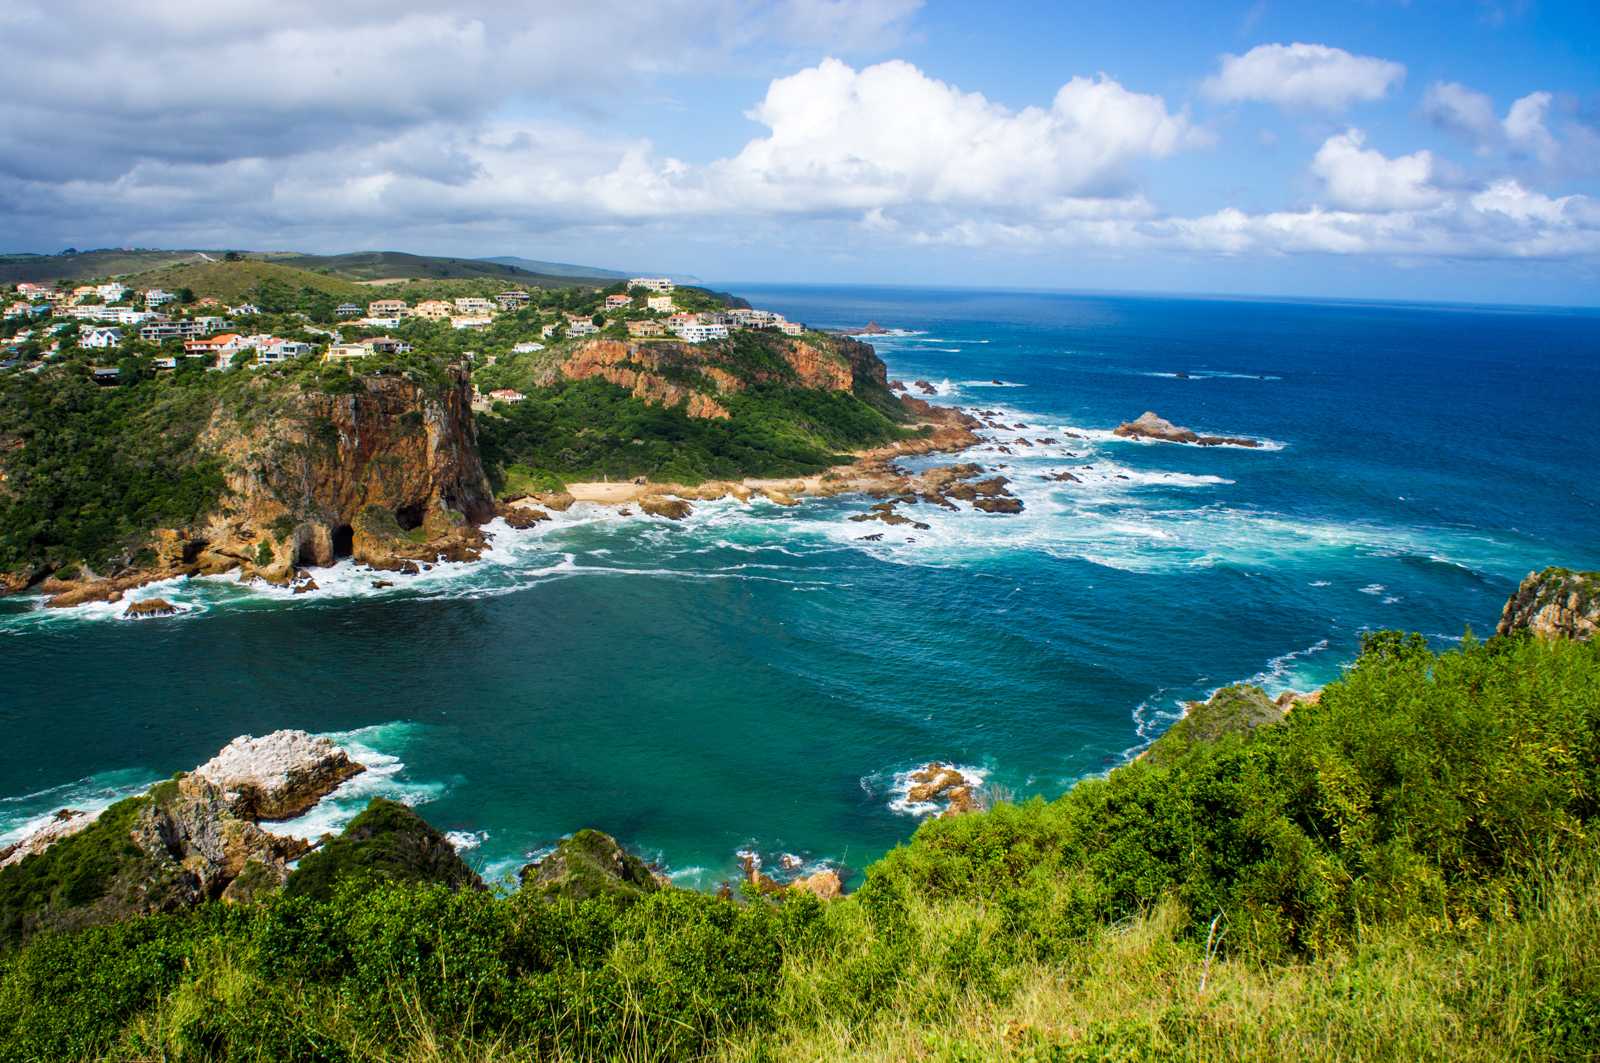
pixel 523 516
pixel 1064 477
pixel 999 505
pixel 386 841
pixel 590 864
pixel 1554 604
pixel 63 824
pixel 925 387
pixel 1149 425
pixel 942 784
pixel 305 586
pixel 824 884
pixel 278 776
pixel 149 607
pixel 661 506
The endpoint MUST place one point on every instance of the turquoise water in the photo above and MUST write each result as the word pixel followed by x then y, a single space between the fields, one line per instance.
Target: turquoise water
pixel 756 677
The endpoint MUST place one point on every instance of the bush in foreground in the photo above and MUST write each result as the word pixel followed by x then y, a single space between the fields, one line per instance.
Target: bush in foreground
pixel 1404 870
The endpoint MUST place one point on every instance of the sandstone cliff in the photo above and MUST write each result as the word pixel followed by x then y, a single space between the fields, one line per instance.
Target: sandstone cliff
pixel 697 375
pixel 385 470
pixel 1555 603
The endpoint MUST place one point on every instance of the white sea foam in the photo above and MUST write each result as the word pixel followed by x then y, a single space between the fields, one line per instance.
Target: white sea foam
pixel 464 840
pixel 386 776
pixel 1373 588
pixel 1279 674
pixel 24 814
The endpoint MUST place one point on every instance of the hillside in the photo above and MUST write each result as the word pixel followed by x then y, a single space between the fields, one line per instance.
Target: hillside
pixel 1403 869
pixel 562 269
pixel 237 282
pixel 89 265
pixel 269 469
pixel 354 266
pixel 397 265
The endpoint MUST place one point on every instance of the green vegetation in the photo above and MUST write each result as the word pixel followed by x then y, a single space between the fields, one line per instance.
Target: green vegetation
pixel 1405 870
pixel 388 841
pixel 89 470
pixel 592 429
pixel 241 281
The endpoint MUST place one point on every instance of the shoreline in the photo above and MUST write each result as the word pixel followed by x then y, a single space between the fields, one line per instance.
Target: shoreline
pixel 872 473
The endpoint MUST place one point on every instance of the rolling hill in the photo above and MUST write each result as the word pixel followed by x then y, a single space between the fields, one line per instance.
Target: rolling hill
pixel 363 266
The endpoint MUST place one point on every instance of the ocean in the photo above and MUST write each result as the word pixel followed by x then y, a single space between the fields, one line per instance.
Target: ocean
pixel 760 679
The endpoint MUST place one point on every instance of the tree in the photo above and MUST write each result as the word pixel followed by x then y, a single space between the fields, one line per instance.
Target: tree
pixel 232 256
pixel 185 295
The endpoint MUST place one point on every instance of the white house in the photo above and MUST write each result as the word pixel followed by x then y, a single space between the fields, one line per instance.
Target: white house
pixel 472 321
pixel 698 333
pixel 527 348
pixel 617 302
pixel 471 306
pixel 244 308
pixel 101 338
pixel 654 284
pixel 581 326
pixel 157 297
pixel 112 292
pixel 790 328
pixel 347 310
pixel 662 303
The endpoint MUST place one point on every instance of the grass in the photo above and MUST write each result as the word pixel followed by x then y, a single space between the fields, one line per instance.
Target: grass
pixel 1405 870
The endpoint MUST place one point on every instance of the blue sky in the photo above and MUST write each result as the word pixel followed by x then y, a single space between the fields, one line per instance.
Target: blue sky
pixel 1368 148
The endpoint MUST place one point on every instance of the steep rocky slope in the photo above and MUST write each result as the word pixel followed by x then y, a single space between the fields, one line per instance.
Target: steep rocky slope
pixel 1555 603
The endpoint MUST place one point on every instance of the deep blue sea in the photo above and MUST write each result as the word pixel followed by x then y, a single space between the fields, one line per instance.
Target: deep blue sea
pixel 761 678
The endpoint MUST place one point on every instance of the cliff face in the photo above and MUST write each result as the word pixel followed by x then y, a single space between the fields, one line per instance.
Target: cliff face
pixel 1555 603
pixel 389 470
pixel 670 374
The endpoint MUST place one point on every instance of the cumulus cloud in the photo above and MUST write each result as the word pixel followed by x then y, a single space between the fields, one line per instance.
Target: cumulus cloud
pixel 94 88
pixel 1303 76
pixel 1526 131
pixel 1453 106
pixel 1360 178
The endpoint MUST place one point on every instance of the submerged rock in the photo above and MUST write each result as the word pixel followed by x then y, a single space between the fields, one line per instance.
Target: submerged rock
pixel 280 775
pixel 1554 604
pixel 589 864
pixel 1149 425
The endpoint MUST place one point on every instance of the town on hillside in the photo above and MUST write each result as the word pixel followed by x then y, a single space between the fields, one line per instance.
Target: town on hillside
pixel 119 331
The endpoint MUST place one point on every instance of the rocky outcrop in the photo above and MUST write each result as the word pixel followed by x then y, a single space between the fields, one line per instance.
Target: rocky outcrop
pixel 387 842
pixel 149 607
pixel 696 376
pixel 277 776
pixel 1554 604
pixel 522 514
pixel 301 463
pixel 824 884
pixel 174 847
pixel 1237 709
pixel 670 508
pixel 942 784
pixel 1148 425
pixel 590 864
pixel 63 824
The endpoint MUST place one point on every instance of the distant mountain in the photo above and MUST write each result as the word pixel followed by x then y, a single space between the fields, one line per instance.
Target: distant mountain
pixel 559 269
pixel 354 266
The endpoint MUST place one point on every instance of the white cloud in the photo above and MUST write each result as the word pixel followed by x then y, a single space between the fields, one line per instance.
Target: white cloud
pixel 1525 128
pixel 95 88
pixel 889 135
pixel 1364 179
pixel 1309 76
pixel 1459 109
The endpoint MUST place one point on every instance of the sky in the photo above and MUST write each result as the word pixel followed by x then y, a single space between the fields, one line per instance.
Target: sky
pixel 1424 150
